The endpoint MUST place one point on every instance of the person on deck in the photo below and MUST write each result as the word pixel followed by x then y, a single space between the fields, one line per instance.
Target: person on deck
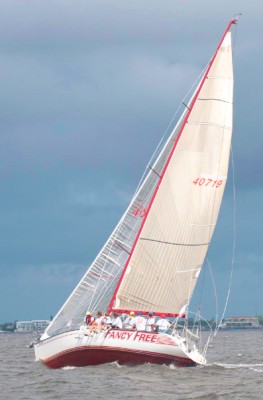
pixel 89 319
pixel 150 322
pixel 162 324
pixel 139 322
pixel 106 320
pixel 97 325
pixel 128 322
pixel 88 322
pixel 99 319
pixel 116 321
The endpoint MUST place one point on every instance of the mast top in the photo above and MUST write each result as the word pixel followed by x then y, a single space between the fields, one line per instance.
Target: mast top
pixel 235 18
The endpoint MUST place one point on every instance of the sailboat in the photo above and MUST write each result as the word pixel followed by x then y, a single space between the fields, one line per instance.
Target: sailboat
pixel 152 259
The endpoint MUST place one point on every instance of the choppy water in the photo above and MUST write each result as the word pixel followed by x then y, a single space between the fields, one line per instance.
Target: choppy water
pixel 235 371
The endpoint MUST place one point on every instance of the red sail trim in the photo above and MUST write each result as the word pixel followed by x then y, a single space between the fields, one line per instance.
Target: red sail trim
pixel 233 21
pixel 156 314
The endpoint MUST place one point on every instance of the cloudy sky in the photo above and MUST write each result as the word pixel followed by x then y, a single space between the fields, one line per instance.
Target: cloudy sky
pixel 87 89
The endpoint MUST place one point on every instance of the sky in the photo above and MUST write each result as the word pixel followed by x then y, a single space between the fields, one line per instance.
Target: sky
pixel 87 89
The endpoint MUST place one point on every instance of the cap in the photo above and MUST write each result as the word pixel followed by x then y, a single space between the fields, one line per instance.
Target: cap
pixel 87 313
pixel 139 313
pixel 163 315
pixel 131 313
pixel 151 313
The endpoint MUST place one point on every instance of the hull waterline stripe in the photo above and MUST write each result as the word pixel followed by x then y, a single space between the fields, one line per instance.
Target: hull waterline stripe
pixel 120 350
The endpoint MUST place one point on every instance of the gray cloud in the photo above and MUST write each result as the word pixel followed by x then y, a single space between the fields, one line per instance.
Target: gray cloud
pixel 87 88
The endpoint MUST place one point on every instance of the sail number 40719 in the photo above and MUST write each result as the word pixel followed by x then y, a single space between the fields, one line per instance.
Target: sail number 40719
pixel 208 182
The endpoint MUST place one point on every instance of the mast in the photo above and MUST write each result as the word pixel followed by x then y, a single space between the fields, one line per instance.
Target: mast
pixel 188 113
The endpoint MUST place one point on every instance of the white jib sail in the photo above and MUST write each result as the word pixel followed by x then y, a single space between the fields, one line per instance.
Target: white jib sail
pixel 173 242
pixel 97 286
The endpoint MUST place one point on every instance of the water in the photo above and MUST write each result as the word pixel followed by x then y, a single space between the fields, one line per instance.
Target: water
pixel 235 371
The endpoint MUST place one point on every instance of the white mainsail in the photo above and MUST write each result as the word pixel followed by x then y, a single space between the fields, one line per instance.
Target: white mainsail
pixel 170 249
pixel 152 259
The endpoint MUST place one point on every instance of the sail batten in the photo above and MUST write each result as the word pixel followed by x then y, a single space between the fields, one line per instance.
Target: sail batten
pixel 210 124
pixel 175 244
pixel 214 99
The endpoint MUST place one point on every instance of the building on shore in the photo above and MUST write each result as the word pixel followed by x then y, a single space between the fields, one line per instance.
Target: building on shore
pixel 241 323
pixel 37 325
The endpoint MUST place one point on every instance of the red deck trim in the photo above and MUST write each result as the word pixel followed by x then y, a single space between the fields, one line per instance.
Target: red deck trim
pixel 156 314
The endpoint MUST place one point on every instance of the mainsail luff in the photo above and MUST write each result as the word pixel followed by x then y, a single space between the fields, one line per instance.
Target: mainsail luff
pixel 127 294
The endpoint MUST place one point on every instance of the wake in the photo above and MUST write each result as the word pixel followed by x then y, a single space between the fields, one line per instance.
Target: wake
pixel 254 367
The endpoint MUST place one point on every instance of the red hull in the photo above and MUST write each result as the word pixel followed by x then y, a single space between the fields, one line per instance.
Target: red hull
pixel 83 356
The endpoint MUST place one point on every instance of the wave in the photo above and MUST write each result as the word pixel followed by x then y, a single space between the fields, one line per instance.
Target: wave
pixel 236 366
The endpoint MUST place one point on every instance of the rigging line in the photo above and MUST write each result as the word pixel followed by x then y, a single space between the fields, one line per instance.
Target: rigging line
pixel 104 292
pixel 234 210
pixel 99 257
pixel 201 293
pixel 185 105
pixel 168 127
pixel 183 100
pixel 153 171
pixel 116 241
pixel 104 289
pixel 235 35
pixel 175 244
pixel 152 159
pixel 215 291
pixel 235 31
pixel 121 247
pixel 117 230
pixel 234 244
pixel 211 335
pixel 190 294
pixel 85 276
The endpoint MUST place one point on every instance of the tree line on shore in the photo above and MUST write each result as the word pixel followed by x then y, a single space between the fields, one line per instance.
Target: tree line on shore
pixel 8 326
